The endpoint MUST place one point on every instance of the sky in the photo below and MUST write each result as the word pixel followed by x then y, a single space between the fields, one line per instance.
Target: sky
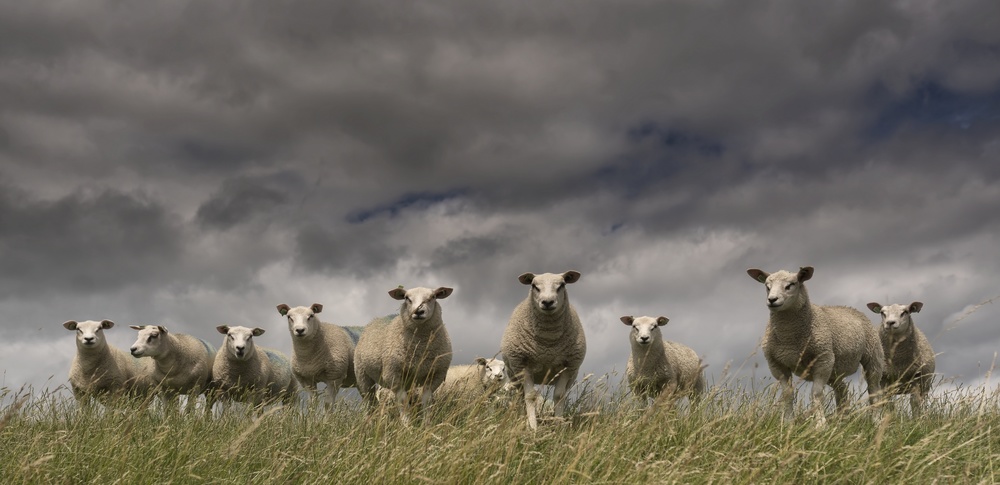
pixel 193 164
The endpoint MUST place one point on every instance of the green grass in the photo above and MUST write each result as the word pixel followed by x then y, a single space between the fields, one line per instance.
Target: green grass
pixel 735 436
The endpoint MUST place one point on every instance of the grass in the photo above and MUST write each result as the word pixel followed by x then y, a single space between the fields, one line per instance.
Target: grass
pixel 734 436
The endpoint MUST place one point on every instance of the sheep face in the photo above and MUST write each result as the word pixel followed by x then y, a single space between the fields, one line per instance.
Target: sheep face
pixel 548 290
pixel 491 370
pixel 419 304
pixel 89 334
pixel 784 288
pixel 239 340
pixel 896 318
pixel 149 342
pixel 644 329
pixel 302 321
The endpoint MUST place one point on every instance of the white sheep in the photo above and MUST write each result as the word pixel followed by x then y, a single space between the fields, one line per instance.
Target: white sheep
pixel 408 351
pixel 247 373
pixel 544 341
pixel 909 357
pixel 822 344
pixel 658 367
pixel 102 371
pixel 484 379
pixel 182 364
pixel 321 352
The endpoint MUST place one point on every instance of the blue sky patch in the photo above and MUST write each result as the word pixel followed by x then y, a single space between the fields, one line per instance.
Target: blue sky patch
pixel 932 104
pixel 415 200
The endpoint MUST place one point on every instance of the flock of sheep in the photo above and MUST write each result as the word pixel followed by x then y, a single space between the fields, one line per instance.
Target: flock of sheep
pixel 407 356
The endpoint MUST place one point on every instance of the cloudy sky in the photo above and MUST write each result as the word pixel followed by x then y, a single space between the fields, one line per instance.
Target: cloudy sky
pixel 192 164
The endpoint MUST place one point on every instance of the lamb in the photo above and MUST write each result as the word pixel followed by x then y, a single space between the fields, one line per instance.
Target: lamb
pixel 408 351
pixel 822 344
pixel 321 352
pixel 246 373
pixel 182 364
pixel 658 367
pixel 102 371
pixel 908 355
pixel 485 379
pixel 544 341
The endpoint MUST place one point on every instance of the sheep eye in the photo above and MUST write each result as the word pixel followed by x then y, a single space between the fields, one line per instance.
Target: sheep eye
pixel 561 286
pixel 789 286
pixel 535 287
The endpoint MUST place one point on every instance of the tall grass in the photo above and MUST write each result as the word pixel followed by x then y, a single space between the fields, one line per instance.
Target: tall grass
pixel 735 435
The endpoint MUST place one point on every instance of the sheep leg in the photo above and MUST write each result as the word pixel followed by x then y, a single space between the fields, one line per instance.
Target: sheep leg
pixel 426 397
pixel 840 394
pixel 332 388
pixel 531 398
pixel 667 397
pixel 784 377
pixel 916 402
pixel 873 377
pixel 401 402
pixel 563 383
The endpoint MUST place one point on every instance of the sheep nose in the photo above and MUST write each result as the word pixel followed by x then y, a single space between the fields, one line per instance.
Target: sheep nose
pixel 548 303
pixel 772 299
pixel 133 350
pixel 419 312
pixel 644 339
pixel 300 331
pixel 88 339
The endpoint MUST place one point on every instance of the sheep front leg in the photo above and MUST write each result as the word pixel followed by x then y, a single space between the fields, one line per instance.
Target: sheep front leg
pixel 531 396
pixel 401 402
pixel 563 383
pixel 330 397
pixel 787 400
pixel 426 398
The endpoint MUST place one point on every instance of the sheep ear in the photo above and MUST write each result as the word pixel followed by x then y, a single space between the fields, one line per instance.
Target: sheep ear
pixel 916 306
pixel 480 361
pixel 757 274
pixel 106 324
pixel 70 324
pixel 805 273
pixel 257 332
pixel 397 293
pixel 526 278
pixel 442 292
pixel 162 329
pixel 136 327
pixel 283 309
pixel 223 329
pixel 661 321
pixel 875 307
pixel 627 319
pixel 571 277
pixel 316 307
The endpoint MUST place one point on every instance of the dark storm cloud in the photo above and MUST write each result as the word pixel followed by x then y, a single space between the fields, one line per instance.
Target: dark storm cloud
pixel 356 251
pixel 84 243
pixel 244 198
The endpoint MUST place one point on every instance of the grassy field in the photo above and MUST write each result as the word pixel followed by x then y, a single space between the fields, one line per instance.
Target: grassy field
pixel 734 436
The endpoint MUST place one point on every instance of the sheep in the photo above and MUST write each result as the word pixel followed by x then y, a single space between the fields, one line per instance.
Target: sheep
pixel 486 378
pixel 909 357
pixel 321 352
pixel 246 373
pixel 658 367
pixel 182 364
pixel 544 341
pixel 407 351
pixel 822 344
pixel 102 371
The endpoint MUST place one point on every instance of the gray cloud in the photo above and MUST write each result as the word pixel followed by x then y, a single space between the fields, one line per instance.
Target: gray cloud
pixel 84 243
